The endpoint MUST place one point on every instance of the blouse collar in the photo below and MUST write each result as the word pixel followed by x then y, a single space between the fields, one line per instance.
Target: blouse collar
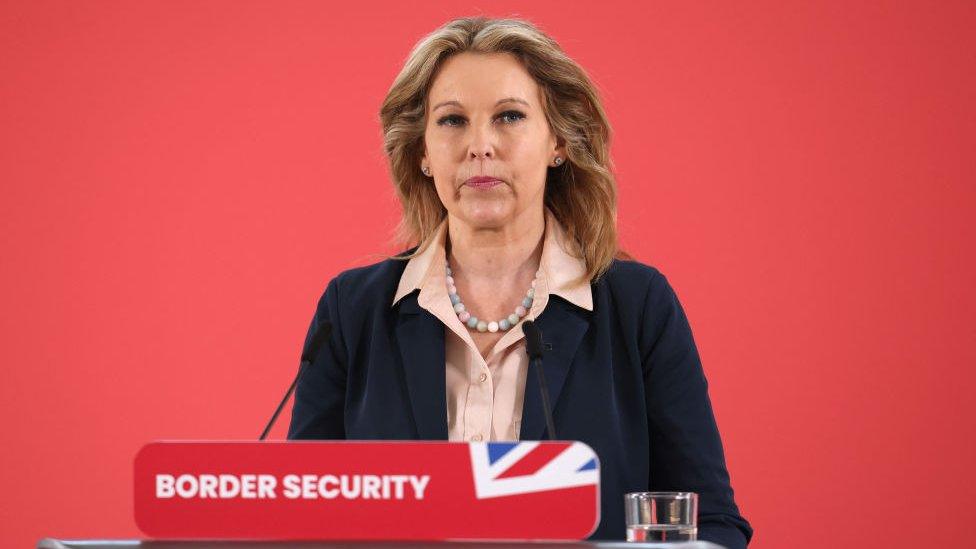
pixel 562 270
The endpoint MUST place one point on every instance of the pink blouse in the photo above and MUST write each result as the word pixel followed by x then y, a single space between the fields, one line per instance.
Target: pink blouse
pixel 485 396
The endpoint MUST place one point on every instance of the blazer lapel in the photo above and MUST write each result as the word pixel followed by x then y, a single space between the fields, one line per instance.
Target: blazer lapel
pixel 420 338
pixel 562 325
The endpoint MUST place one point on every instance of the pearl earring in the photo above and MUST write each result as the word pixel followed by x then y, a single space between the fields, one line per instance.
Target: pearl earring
pixel 426 171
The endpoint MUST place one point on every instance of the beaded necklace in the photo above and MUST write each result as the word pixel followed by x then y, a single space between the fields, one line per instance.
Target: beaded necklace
pixel 476 323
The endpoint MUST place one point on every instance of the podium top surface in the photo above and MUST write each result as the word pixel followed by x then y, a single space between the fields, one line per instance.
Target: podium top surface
pixel 49 543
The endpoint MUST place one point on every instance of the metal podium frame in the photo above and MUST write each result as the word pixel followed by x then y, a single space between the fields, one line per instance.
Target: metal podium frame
pixel 51 543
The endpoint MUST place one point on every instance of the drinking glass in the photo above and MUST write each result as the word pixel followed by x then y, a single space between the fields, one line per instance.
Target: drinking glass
pixel 661 516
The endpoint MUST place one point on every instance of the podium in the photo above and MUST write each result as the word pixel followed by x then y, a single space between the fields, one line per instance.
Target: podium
pixel 49 543
pixel 360 495
pixel 394 491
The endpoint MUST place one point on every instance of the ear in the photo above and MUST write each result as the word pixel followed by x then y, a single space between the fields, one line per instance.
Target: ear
pixel 425 167
pixel 558 143
pixel 560 151
pixel 560 148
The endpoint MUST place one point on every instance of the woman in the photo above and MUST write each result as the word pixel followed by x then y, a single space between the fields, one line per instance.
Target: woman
pixel 498 147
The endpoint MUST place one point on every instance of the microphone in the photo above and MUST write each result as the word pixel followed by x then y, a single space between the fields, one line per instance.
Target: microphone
pixel 533 348
pixel 319 338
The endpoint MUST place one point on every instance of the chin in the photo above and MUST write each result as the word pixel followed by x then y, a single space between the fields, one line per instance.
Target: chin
pixel 489 215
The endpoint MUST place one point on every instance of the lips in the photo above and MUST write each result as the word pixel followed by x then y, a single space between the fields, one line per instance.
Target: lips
pixel 482 182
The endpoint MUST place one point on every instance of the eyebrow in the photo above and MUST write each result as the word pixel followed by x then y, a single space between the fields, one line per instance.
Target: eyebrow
pixel 499 102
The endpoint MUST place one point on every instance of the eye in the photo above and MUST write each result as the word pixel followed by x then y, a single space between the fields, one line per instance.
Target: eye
pixel 511 117
pixel 450 120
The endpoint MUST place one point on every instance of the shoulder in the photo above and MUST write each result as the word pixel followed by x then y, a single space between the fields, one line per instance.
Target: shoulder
pixel 364 288
pixel 633 280
pixel 369 279
pixel 638 293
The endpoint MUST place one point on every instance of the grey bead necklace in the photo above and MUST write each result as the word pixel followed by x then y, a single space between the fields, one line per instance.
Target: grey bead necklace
pixel 476 323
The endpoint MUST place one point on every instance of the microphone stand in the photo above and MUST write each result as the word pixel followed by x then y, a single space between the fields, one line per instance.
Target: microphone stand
pixel 533 347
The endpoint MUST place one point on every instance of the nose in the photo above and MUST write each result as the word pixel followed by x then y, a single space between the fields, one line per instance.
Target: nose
pixel 481 146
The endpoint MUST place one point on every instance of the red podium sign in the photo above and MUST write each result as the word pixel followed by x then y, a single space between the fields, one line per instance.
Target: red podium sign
pixel 367 490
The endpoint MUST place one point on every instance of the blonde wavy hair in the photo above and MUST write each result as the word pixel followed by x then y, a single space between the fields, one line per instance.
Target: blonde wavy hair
pixel 581 193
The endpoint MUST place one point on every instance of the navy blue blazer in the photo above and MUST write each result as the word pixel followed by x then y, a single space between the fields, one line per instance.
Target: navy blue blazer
pixel 624 378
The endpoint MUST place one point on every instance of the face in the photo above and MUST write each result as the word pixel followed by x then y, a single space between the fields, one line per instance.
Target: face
pixel 487 141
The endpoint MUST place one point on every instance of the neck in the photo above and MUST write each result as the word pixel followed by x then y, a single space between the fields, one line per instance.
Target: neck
pixel 504 254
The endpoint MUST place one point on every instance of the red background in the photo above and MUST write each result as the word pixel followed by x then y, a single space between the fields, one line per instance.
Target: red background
pixel 181 179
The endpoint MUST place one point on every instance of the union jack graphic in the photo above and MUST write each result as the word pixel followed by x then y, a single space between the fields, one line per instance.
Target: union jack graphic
pixel 509 468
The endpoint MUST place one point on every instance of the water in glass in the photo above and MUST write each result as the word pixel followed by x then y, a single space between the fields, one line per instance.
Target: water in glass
pixel 661 532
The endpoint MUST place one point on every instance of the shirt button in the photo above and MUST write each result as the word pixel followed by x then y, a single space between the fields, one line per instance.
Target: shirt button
pixel 482 378
pixel 476 438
